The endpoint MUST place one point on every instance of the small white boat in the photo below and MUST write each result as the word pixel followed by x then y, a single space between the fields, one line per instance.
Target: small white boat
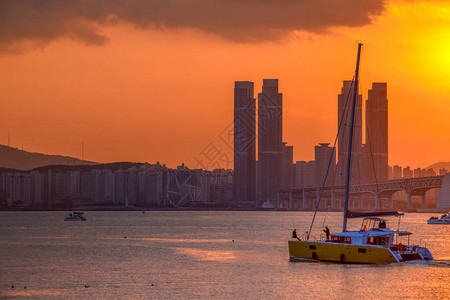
pixel 267 205
pixel 75 216
pixel 444 219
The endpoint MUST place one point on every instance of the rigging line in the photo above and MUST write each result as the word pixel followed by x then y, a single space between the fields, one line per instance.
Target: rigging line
pixel 370 148
pixel 367 66
pixel 373 165
pixel 329 162
pixel 359 161
pixel 345 117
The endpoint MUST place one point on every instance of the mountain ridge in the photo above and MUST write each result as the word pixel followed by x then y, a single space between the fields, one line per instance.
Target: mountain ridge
pixel 439 166
pixel 15 159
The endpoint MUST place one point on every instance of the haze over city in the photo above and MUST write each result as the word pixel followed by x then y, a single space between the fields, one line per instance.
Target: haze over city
pixel 134 85
pixel 225 149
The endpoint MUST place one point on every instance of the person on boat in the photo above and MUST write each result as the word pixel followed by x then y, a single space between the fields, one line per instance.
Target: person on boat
pixel 294 235
pixel 327 232
pixel 382 224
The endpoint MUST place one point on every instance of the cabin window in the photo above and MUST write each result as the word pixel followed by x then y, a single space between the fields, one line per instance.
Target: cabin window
pixel 312 247
pixel 341 239
pixel 362 250
pixel 378 240
pixel 384 240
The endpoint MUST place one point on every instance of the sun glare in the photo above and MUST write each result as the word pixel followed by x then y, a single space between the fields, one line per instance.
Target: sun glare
pixel 422 32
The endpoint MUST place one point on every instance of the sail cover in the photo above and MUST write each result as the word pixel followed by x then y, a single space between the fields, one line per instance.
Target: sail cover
pixel 356 214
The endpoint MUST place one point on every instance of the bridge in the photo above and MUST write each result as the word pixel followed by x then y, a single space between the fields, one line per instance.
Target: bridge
pixel 333 196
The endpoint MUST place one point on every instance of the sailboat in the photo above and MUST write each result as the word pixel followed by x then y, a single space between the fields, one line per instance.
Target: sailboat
pixel 373 243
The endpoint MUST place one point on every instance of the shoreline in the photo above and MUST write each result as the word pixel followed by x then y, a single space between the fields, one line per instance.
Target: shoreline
pixel 136 208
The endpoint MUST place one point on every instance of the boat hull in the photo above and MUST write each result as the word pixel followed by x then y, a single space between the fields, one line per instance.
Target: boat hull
pixel 338 252
pixel 73 219
pixel 438 221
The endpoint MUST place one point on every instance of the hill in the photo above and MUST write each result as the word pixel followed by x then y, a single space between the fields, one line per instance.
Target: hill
pixel 440 165
pixel 13 158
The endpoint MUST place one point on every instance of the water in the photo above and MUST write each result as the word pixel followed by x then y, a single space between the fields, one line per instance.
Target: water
pixel 220 255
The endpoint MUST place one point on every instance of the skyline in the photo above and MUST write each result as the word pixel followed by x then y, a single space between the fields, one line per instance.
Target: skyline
pixel 164 94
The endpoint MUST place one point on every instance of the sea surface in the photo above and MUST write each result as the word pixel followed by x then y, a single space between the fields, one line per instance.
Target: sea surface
pixel 201 255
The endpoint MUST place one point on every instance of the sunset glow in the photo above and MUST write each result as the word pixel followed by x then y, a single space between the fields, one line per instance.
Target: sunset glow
pixel 163 93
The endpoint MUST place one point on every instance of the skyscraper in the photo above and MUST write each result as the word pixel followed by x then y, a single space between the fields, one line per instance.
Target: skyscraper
pixel 344 118
pixel 244 182
pixel 322 156
pixel 376 147
pixel 287 166
pixel 269 140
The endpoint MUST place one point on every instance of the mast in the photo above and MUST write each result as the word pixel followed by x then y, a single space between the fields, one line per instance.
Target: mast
pixel 350 140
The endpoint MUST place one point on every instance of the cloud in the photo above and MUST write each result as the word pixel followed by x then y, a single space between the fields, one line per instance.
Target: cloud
pixel 42 21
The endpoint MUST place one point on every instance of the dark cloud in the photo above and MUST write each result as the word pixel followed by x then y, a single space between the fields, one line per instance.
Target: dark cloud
pixel 41 21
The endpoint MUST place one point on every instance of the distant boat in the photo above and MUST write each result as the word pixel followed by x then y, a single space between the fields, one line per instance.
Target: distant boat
pixel 267 205
pixel 75 216
pixel 444 219
pixel 374 243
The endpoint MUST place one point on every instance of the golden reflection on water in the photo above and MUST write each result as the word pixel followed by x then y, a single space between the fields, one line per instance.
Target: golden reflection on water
pixel 19 292
pixel 207 255
pixel 185 240
pixel 196 240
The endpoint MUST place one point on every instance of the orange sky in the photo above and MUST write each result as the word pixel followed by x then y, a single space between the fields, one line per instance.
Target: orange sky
pixel 164 94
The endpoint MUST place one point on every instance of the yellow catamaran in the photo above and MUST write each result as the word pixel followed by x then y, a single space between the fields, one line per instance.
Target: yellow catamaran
pixel 374 243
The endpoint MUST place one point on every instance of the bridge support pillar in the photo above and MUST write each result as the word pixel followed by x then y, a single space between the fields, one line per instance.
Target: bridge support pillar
pixel 377 202
pixel 332 199
pixel 290 199
pixel 424 201
pixel 409 202
pixel 277 204
pixel 317 199
pixel 391 201
pixel 332 204
pixel 304 202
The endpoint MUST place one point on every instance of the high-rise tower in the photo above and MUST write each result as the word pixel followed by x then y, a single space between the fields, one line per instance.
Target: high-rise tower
pixel 269 140
pixel 287 166
pixel 344 115
pixel 244 183
pixel 376 147
pixel 322 156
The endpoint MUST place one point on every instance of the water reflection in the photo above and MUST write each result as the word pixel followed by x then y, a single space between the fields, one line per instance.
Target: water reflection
pixel 171 255
pixel 21 292
pixel 207 255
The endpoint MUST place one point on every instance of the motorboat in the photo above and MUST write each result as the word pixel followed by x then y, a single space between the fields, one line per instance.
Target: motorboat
pixel 75 216
pixel 267 205
pixel 444 219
